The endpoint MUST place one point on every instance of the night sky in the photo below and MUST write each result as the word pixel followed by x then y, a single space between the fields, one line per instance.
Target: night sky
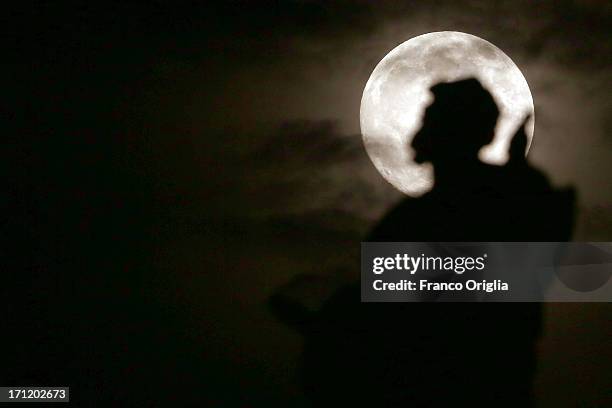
pixel 171 166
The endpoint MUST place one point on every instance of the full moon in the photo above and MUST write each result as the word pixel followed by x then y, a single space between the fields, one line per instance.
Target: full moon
pixel 397 93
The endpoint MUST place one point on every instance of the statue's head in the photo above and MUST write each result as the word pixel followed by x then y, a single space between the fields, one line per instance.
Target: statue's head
pixel 457 124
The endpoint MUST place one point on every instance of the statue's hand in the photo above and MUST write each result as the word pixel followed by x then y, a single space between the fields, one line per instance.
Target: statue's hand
pixel 518 144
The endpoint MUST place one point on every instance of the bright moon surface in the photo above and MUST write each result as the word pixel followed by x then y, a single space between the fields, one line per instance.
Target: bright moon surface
pixel 397 93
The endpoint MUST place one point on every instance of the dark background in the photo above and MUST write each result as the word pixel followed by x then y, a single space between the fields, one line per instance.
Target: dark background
pixel 170 166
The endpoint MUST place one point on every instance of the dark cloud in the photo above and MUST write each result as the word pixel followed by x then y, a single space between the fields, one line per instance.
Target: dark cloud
pixel 301 167
pixel 309 143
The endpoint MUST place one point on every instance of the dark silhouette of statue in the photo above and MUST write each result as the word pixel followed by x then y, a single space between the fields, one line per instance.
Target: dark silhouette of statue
pixel 443 354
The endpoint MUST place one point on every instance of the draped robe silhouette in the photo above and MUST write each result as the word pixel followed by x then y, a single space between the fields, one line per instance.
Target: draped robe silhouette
pixel 443 354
